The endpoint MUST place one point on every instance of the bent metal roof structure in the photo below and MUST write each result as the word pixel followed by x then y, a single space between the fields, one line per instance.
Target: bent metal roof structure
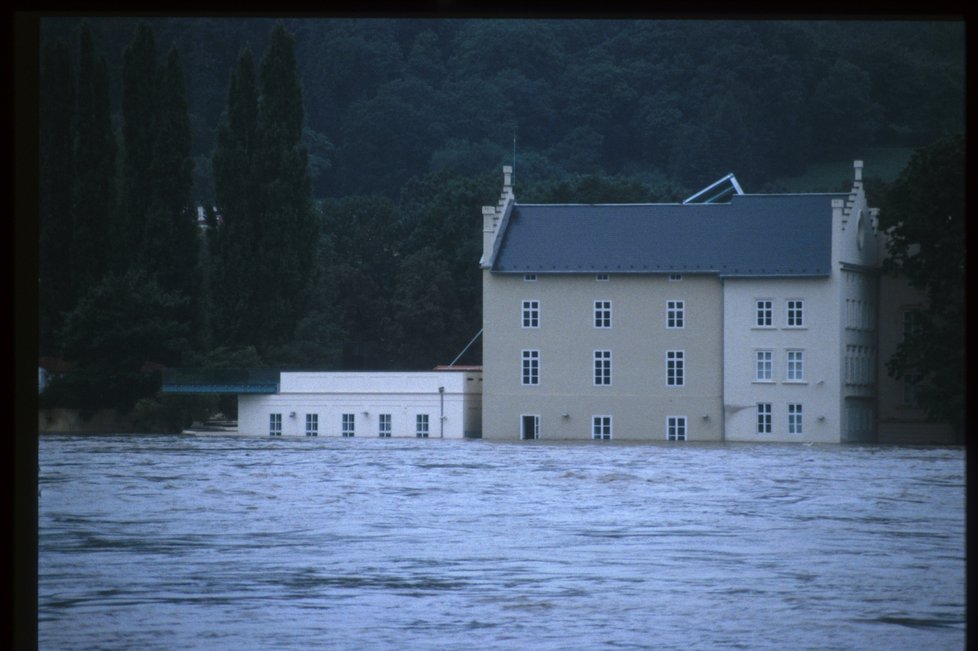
pixel 749 235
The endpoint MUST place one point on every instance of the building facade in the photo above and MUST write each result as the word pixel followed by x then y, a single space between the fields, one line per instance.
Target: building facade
pixel 424 404
pixel 743 317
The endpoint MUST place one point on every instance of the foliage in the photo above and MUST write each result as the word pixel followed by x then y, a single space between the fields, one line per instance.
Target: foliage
pixel 923 216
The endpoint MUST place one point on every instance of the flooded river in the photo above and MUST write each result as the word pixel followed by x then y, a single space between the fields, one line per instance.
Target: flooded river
pixel 177 542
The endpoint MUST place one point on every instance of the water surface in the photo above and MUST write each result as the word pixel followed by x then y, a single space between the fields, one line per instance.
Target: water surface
pixel 175 542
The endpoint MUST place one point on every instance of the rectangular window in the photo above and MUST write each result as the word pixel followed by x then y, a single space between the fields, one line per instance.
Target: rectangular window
pixel 764 314
pixel 601 277
pixel 764 418
pixel 602 367
pixel 675 314
pixel 349 428
pixel 601 427
pixel 795 314
pixel 763 366
pixel 531 314
pixel 911 324
pixel 312 424
pixel 676 428
pixel 384 426
pixel 794 418
pixel 531 367
pixel 796 366
pixel 911 389
pixel 421 426
pixel 675 368
pixel 275 424
pixel 602 314
pixel 675 276
pixel 529 278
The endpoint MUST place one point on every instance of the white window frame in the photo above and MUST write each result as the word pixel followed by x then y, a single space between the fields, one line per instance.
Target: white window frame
pixel 763 311
pixel 348 425
pixel 602 278
pixel 529 278
pixel 384 425
pixel 422 426
pixel 675 314
pixel 530 314
pixel 794 313
pixel 602 368
pixel 677 428
pixel 675 368
pixel 764 365
pixel 794 365
pixel 602 427
pixel 764 411
pixel 602 314
pixel 530 367
pixel 795 418
pixel 275 424
pixel 675 277
pixel 312 424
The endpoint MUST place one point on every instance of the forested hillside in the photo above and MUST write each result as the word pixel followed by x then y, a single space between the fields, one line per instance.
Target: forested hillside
pixel 341 163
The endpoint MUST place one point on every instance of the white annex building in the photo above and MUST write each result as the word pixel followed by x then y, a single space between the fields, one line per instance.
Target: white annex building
pixel 728 317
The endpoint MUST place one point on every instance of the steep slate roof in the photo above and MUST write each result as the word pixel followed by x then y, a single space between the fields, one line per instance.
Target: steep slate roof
pixel 752 235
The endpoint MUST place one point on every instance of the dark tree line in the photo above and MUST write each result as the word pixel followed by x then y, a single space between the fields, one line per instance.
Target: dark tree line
pixel 340 165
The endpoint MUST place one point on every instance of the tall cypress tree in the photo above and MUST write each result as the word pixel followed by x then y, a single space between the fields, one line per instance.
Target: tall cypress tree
pixel 93 197
pixel 139 103
pixel 235 244
pixel 169 237
pixel 56 174
pixel 286 225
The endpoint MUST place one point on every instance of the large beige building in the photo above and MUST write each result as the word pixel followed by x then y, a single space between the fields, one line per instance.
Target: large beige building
pixel 727 317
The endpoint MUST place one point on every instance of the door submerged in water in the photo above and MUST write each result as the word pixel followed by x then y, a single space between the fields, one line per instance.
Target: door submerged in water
pixel 529 427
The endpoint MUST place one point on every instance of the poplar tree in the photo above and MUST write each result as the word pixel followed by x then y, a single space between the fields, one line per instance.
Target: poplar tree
pixel 234 241
pixel 57 99
pixel 169 237
pixel 286 232
pixel 94 170
pixel 266 244
pixel 140 77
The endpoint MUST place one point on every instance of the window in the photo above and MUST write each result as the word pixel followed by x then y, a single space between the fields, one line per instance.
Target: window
pixel 796 366
pixel 421 426
pixel 675 277
pixel 531 367
pixel 795 313
pixel 349 428
pixel 675 314
pixel 601 427
pixel 531 314
pixel 764 314
pixel 764 418
pixel 275 424
pixel 763 365
pixel 529 278
pixel 911 324
pixel 602 367
pixel 312 424
pixel 794 418
pixel 601 277
pixel 384 426
pixel 676 428
pixel 675 368
pixel 602 314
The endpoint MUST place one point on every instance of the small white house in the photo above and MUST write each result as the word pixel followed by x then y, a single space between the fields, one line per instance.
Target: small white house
pixel 444 403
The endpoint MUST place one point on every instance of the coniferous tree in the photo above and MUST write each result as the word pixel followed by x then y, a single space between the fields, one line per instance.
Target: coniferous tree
pixel 140 80
pixel 95 148
pixel 57 109
pixel 234 188
pixel 169 239
pixel 286 227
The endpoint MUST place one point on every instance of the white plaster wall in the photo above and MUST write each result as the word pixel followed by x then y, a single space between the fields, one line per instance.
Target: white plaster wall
pixel 818 393
pixel 366 395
